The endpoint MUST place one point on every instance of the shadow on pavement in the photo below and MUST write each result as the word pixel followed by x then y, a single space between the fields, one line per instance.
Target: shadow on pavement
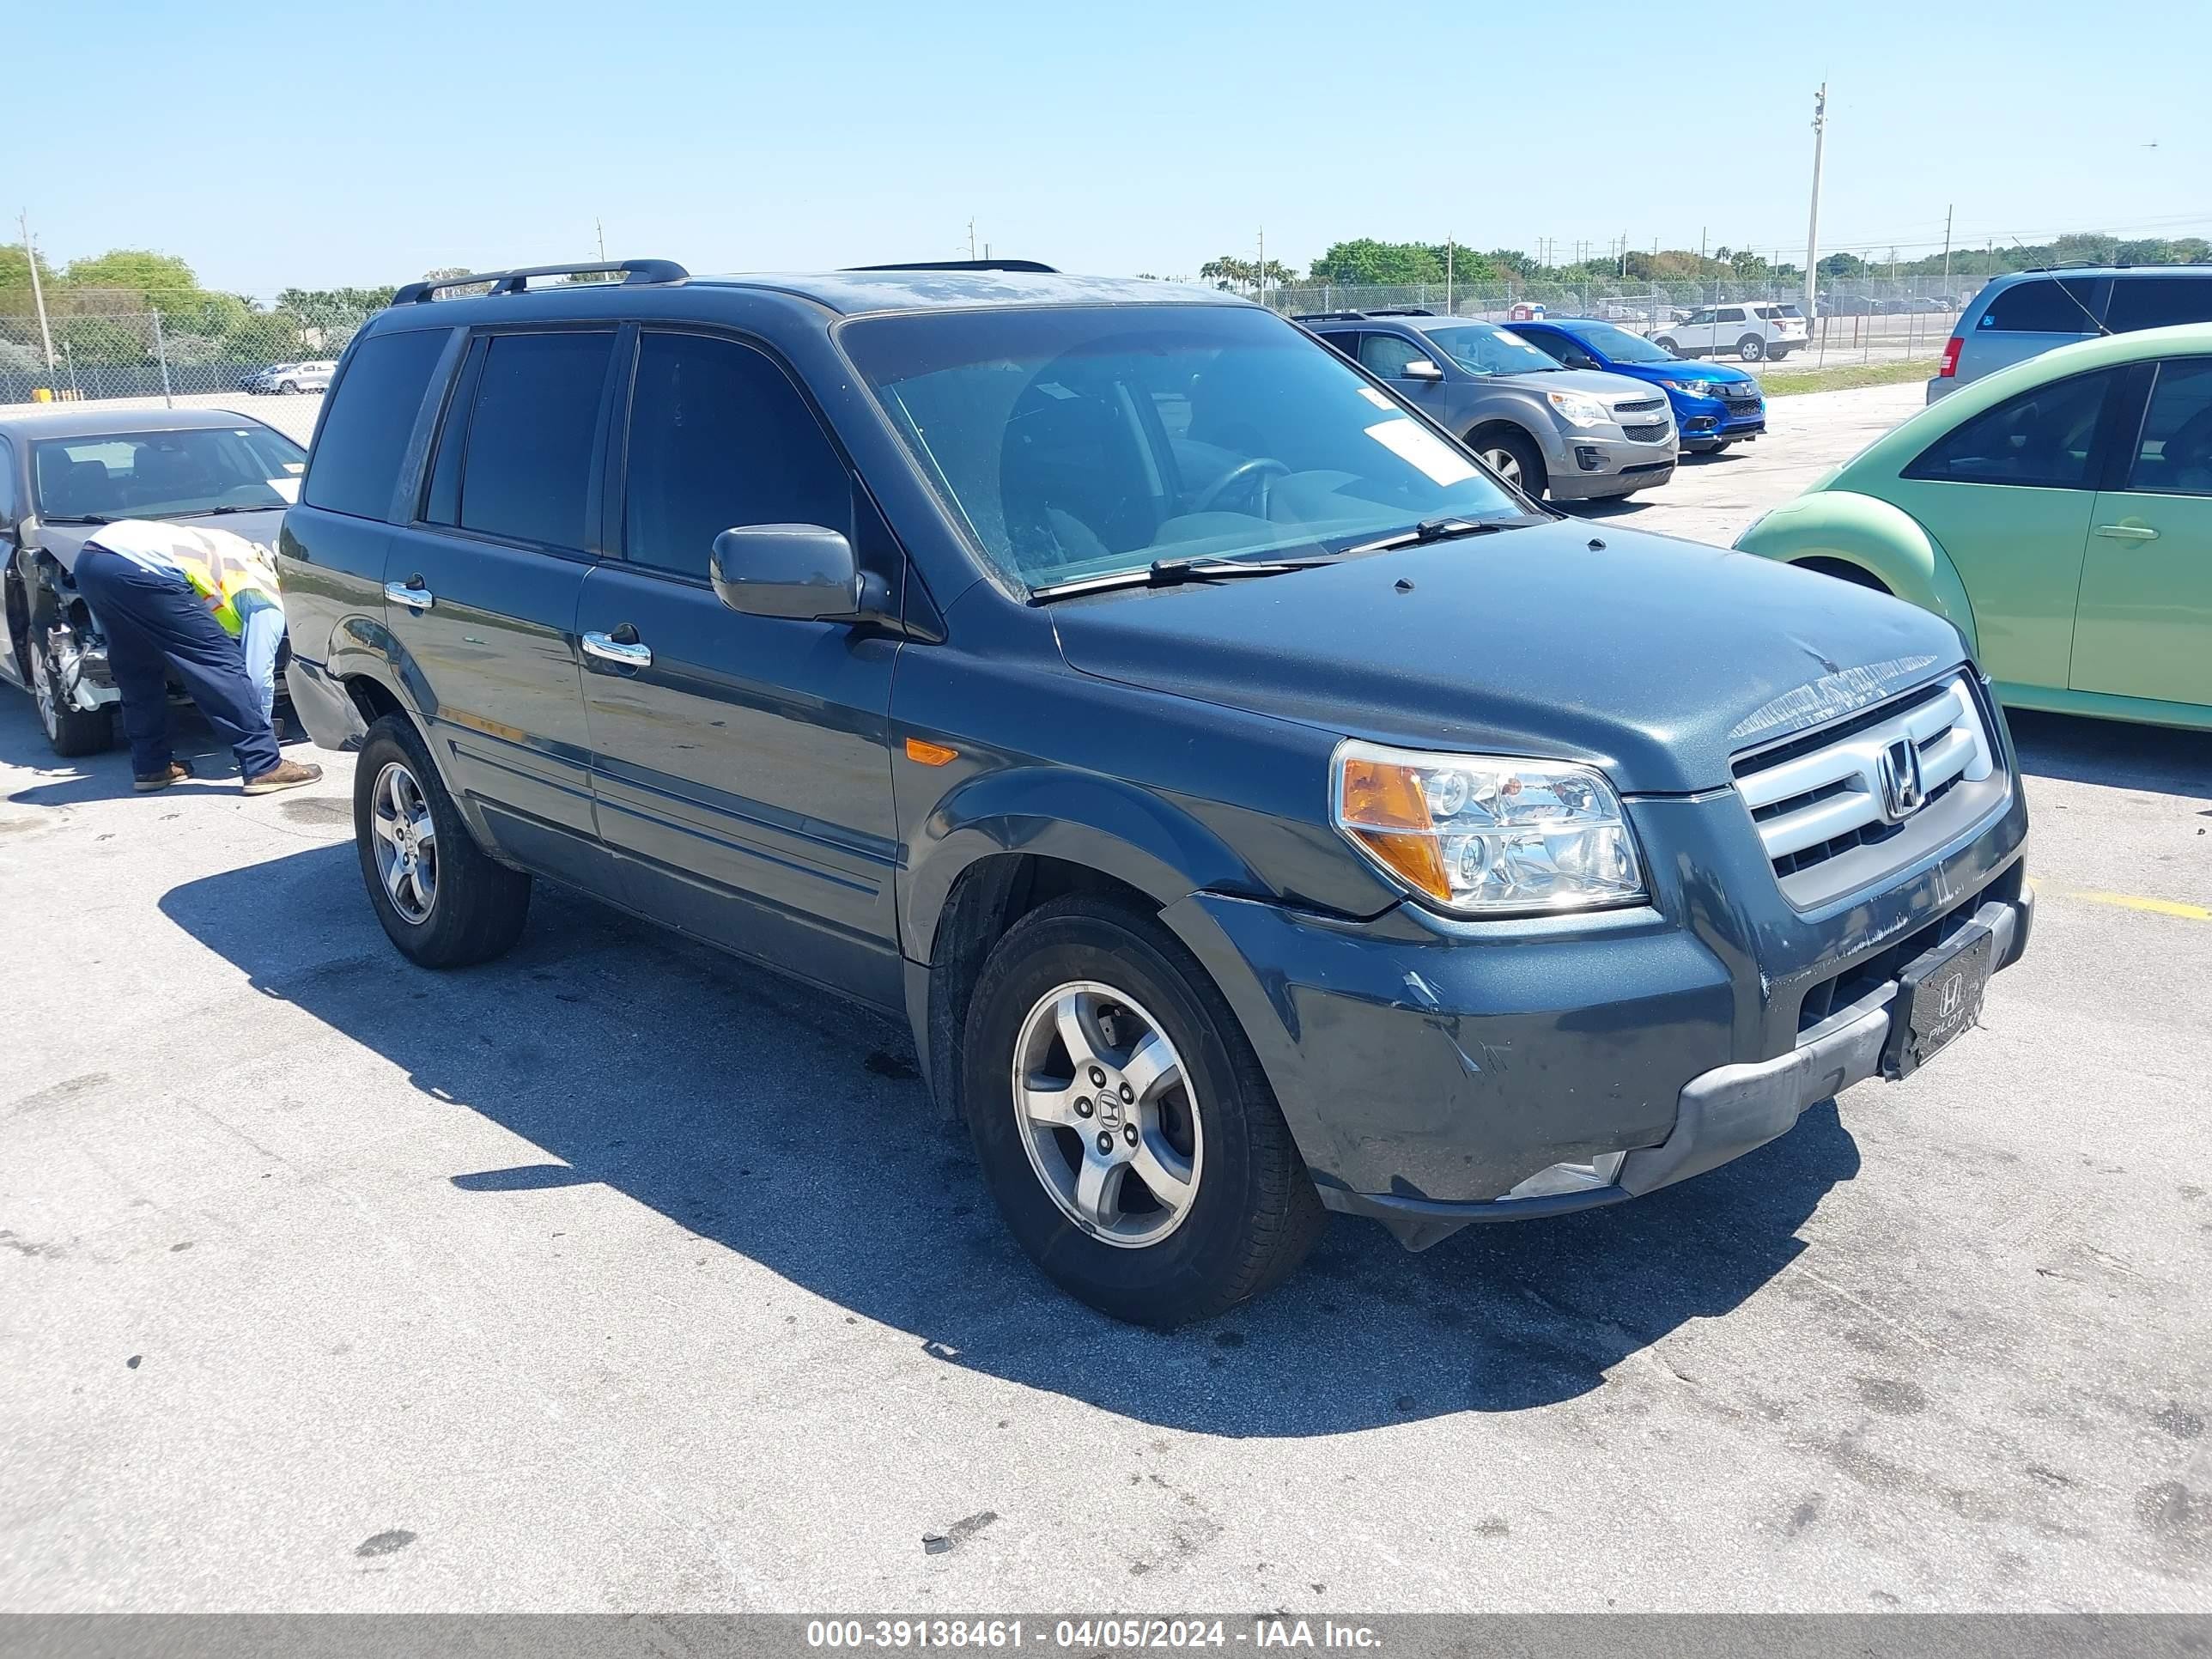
pixel 2112 753
pixel 778 1123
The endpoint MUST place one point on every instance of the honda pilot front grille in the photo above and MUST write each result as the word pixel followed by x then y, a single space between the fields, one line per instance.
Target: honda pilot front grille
pixel 1640 405
pixel 1646 435
pixel 1836 810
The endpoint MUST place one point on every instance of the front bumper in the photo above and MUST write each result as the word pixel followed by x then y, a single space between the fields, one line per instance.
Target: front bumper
pixel 1590 466
pixel 1436 1073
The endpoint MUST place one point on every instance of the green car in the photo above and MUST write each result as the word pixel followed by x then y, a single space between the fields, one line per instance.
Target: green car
pixel 2059 512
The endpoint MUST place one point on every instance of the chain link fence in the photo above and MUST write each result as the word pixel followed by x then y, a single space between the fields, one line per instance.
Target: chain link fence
pixel 81 354
pixel 1904 317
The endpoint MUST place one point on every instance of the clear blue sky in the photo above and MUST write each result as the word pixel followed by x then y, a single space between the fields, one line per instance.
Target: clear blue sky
pixel 310 144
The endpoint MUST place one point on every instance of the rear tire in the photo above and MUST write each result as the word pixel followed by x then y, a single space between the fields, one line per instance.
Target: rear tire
pixel 1235 1211
pixel 443 900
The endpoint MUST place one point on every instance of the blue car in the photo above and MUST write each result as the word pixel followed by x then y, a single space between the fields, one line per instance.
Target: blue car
pixel 1714 405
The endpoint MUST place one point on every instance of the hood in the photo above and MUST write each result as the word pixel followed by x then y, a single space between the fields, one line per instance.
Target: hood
pixel 1715 375
pixel 1598 382
pixel 1655 658
pixel 66 541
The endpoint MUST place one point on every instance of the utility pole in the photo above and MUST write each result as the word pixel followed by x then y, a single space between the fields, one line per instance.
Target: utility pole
pixel 1813 223
pixel 972 240
pixel 1947 211
pixel 599 229
pixel 1449 312
pixel 38 293
pixel 1263 264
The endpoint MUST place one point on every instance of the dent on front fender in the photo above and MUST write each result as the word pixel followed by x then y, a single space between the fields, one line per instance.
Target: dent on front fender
pixel 1876 535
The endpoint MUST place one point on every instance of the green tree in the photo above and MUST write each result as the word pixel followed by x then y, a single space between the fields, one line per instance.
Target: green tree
pixel 1368 261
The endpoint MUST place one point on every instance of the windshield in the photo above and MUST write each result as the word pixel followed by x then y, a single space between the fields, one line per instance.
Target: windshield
pixel 161 475
pixel 1618 345
pixel 1079 442
pixel 1486 349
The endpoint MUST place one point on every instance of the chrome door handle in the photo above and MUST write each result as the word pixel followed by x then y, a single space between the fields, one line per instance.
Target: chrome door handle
pixel 414 598
pixel 2128 532
pixel 607 648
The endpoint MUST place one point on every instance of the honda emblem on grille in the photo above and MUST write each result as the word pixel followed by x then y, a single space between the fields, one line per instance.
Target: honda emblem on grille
pixel 1953 998
pixel 1898 770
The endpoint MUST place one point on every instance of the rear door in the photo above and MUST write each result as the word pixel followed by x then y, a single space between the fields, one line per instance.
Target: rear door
pixel 481 588
pixel 2144 626
pixel 2008 493
pixel 741 762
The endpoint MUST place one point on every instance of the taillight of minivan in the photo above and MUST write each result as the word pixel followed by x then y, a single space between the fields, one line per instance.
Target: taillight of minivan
pixel 1949 367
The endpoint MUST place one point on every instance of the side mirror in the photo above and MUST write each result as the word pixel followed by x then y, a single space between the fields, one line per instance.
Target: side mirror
pixel 1420 369
pixel 1579 360
pixel 800 572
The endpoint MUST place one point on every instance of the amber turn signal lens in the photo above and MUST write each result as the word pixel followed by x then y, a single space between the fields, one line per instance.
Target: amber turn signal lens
pixel 930 754
pixel 1379 798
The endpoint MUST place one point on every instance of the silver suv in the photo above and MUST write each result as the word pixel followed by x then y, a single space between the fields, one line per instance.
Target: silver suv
pixel 1576 435
pixel 2018 316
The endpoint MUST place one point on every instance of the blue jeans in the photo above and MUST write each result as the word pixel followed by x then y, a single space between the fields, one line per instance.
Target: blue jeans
pixel 154 623
pixel 260 639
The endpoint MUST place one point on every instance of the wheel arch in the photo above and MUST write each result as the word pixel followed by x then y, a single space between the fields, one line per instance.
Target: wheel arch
pixel 1843 527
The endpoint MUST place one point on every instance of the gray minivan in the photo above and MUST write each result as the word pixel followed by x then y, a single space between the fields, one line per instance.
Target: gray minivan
pixel 2021 316
pixel 1576 435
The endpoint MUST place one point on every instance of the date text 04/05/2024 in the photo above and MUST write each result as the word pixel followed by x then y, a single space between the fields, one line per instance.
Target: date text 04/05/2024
pixel 1088 1633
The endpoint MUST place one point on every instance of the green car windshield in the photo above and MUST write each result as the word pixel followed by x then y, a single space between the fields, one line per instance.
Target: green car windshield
pixel 1080 442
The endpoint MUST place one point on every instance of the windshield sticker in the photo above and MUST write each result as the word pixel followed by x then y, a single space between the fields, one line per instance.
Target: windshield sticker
pixel 288 488
pixel 1830 696
pixel 1511 337
pixel 1410 440
pixel 1375 396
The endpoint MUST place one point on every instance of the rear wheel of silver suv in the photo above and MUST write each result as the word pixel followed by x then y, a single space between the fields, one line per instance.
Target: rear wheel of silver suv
pixel 1123 1123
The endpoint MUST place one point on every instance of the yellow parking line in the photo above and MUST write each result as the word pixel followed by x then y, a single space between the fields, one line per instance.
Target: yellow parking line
pixel 2157 907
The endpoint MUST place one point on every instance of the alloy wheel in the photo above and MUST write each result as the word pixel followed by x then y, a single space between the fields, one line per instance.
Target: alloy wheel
pixel 406 843
pixel 43 688
pixel 1105 1111
pixel 1502 462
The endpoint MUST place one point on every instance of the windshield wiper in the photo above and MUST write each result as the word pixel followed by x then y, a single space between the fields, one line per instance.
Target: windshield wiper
pixel 74 517
pixel 1172 572
pixel 228 506
pixel 1428 531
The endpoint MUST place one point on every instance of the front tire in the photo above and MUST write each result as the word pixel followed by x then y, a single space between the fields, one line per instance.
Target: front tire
pixel 289 388
pixel 443 900
pixel 1751 348
pixel 71 732
pixel 1666 343
pixel 1514 457
pixel 1122 1121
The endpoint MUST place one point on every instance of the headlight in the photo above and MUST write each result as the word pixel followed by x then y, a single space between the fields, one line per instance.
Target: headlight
pixel 1580 408
pixel 1481 835
pixel 1693 388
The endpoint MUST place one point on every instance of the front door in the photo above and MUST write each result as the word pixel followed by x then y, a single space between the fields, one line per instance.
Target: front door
pixel 2144 625
pixel 481 590
pixel 1385 356
pixel 741 763
pixel 2007 494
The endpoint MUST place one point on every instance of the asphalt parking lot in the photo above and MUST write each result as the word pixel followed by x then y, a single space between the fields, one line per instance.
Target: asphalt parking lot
pixel 618 1275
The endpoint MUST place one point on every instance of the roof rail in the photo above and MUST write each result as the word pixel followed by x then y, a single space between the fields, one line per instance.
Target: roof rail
pixel 1327 316
pixel 634 273
pixel 1401 311
pixel 1031 265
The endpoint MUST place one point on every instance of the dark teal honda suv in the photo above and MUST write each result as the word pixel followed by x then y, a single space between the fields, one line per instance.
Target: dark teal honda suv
pixel 1256 807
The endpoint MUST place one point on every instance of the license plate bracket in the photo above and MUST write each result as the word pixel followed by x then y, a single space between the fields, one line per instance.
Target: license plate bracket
pixel 1939 995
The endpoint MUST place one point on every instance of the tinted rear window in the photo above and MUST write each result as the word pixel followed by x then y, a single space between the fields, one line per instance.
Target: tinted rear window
pixel 371 417
pixel 2158 302
pixel 527 472
pixel 2044 307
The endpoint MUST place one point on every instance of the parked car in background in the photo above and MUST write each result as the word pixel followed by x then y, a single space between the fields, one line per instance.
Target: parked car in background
pixel 1751 330
pixel 287 378
pixel 1571 433
pixel 2058 510
pixel 64 474
pixel 1714 405
pixel 1613 311
pixel 1254 807
pixel 2014 317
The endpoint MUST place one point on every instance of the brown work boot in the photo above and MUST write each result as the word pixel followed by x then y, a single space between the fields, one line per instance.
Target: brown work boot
pixel 285 774
pixel 176 772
